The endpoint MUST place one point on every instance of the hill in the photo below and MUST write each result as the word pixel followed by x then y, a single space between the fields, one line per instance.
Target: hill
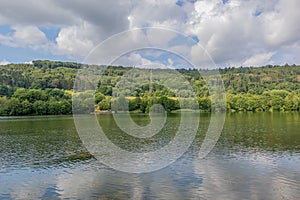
pixel 45 87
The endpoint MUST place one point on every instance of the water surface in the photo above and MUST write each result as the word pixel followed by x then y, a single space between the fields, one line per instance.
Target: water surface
pixel 256 157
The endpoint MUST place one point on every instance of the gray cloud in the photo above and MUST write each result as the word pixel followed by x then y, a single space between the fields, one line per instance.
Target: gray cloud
pixel 31 12
pixel 109 17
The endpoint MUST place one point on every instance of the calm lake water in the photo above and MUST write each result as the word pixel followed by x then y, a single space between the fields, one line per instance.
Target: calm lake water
pixel 256 157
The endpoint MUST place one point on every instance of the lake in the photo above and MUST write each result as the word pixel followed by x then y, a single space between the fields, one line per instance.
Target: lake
pixel 256 157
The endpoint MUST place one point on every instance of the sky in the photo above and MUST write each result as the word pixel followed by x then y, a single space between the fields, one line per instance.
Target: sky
pixel 227 33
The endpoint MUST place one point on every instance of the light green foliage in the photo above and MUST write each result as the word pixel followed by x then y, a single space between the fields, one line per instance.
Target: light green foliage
pixel 44 87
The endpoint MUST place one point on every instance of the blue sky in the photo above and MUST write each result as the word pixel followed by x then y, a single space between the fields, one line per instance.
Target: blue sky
pixel 50 32
pixel 233 33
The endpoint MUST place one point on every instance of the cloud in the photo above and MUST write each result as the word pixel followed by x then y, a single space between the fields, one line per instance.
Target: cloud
pixel 282 24
pixel 4 62
pixel 31 12
pixel 24 36
pixel 232 32
pixel 160 38
pixel 74 40
pixel 157 13
pixel 259 59
pixel 137 60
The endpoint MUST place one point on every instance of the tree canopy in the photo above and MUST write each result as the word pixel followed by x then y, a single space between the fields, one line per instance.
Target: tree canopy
pixel 45 87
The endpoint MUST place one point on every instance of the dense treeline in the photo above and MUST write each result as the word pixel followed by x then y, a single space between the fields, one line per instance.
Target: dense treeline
pixel 41 88
pixel 36 102
pixel 45 87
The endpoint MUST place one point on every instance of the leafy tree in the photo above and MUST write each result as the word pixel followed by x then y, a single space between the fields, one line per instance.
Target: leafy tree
pixel 40 107
pixel 135 104
pixel 105 104
pixel 99 97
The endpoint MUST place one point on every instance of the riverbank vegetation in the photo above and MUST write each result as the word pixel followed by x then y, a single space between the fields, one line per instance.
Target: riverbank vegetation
pixel 45 88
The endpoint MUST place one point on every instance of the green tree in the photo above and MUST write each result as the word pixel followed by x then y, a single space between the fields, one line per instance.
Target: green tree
pixel 40 107
pixel 99 97
pixel 105 104
pixel 135 103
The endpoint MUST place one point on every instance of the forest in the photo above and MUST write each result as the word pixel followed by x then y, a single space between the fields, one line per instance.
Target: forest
pixel 46 88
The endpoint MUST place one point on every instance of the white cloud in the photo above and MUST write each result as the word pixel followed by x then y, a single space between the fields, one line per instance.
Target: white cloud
pixel 159 38
pixel 24 36
pixel 136 60
pixel 282 25
pixel 157 13
pixel 4 62
pixel 231 33
pixel 259 59
pixel 74 40
pixel 29 35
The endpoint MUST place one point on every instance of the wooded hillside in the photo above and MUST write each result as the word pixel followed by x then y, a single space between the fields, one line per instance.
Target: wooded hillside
pixel 45 87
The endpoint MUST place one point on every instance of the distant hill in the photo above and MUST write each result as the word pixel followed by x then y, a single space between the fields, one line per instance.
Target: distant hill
pixel 45 87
